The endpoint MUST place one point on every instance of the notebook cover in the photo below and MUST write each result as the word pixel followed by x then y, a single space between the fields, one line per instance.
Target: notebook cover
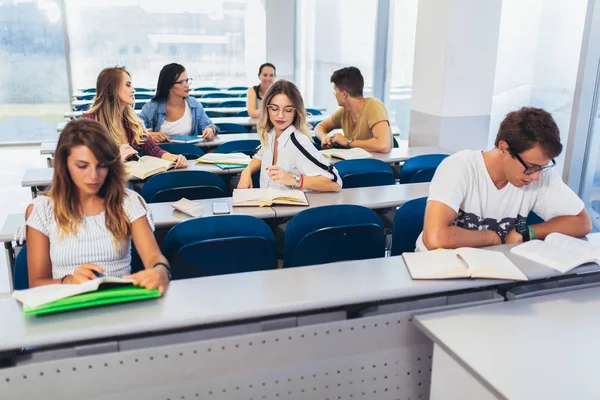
pixel 91 299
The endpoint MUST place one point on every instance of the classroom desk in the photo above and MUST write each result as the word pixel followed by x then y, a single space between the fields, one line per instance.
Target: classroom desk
pixel 193 92
pixel 247 121
pixel 401 154
pixel 539 348
pixel 226 110
pixel 7 233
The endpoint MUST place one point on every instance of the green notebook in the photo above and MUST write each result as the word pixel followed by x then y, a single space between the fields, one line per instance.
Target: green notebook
pixel 55 298
pixel 231 166
pixel 115 295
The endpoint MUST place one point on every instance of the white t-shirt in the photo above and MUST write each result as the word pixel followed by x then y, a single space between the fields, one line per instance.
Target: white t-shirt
pixel 183 126
pixel 463 183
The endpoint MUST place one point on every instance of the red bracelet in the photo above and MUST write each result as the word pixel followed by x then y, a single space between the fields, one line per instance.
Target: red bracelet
pixel 301 181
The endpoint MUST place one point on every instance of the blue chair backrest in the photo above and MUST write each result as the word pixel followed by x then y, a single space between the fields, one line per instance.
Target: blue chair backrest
pixel 415 164
pixel 216 95
pixel 143 96
pixel 242 114
pixel 333 233
pixel 225 127
pixel 424 175
pixel 246 146
pixel 139 105
pixel 218 245
pixel 193 185
pixel 533 219
pixel 207 88
pixel 238 88
pixel 243 95
pixel 87 96
pixel 83 107
pixel 317 143
pixel 394 143
pixel 408 225
pixel 142 89
pixel 214 114
pixel 365 172
pixel 314 111
pixel 89 90
pixel 190 151
pixel 233 103
pixel 21 272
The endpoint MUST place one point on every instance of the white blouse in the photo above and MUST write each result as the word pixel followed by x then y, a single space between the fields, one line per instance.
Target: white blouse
pixel 93 242
pixel 291 159
pixel 183 126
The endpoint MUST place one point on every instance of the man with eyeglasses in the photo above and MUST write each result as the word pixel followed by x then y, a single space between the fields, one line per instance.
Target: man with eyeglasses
pixel 483 198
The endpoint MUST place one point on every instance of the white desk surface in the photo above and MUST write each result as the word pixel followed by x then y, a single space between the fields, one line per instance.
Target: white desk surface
pixel 193 92
pixel 11 224
pixel 247 121
pixel 226 110
pixel 165 216
pixel 401 154
pixel 542 347
pixel 376 197
pixel 48 148
pixel 43 176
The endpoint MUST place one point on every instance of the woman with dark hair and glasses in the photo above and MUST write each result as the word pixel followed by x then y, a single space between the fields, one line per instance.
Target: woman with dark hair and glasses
pixel 482 198
pixel 172 111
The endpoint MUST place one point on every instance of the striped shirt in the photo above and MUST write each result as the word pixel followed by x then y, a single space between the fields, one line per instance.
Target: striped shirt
pixel 93 243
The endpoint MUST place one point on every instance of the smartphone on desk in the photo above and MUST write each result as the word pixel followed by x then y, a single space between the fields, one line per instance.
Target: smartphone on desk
pixel 220 208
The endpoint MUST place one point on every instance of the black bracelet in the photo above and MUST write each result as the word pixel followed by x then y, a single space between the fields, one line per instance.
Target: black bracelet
pixel 167 268
pixel 62 280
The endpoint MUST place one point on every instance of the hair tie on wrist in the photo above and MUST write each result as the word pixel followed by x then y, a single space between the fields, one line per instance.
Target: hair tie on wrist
pixel 62 280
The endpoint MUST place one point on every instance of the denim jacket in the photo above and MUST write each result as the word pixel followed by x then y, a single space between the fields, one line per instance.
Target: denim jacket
pixel 154 114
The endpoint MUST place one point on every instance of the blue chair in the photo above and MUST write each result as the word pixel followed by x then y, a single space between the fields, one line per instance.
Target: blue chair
pixel 238 88
pixel 408 225
pixel 316 143
pixel 333 233
pixel 89 90
pixel 233 103
pixel 87 96
pixel 143 89
pixel 242 114
pixel 188 150
pixel 139 105
pixel 214 114
pixel 243 95
pixel 205 105
pixel 225 127
pixel 219 245
pixel 314 111
pixel 365 173
pixel 424 175
pixel 21 272
pixel 193 185
pixel 415 164
pixel 143 96
pixel 207 88
pixel 246 146
pixel 394 143
pixel 216 95
pixel 533 219
pixel 83 107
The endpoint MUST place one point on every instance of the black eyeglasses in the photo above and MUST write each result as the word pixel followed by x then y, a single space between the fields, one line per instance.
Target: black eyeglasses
pixel 532 169
pixel 184 81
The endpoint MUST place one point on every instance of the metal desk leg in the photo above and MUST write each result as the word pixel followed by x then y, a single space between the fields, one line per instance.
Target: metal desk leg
pixel 10 259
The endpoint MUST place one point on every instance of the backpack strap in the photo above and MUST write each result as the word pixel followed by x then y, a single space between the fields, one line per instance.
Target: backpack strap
pixel 328 168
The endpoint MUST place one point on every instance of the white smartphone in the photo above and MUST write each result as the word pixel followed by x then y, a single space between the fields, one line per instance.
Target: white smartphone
pixel 220 208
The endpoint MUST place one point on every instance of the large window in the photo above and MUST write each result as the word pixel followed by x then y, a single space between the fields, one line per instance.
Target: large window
pixel 538 55
pixel 210 38
pixel 332 34
pixel 401 45
pixel 33 74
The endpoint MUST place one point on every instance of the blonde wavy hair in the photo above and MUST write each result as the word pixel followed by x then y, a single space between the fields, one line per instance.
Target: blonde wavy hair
pixel 65 194
pixel 287 88
pixel 107 108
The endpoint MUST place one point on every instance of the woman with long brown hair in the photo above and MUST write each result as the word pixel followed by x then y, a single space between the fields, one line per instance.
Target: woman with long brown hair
pixel 287 158
pixel 84 226
pixel 112 108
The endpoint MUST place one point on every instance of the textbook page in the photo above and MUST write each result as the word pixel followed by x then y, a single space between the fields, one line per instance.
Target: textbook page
pixel 347 154
pixel 435 264
pixel 266 197
pixel 490 264
pixel 147 166
pixel 225 158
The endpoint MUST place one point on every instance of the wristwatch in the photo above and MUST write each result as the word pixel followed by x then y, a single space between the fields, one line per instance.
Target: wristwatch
pixel 522 228
pixel 348 141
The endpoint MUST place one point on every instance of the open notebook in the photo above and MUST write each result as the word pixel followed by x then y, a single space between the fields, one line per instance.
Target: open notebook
pixel 185 139
pixel 558 251
pixel 463 262
pixel 189 207
pixel 147 166
pixel 61 297
pixel 267 197
pixel 347 154
pixel 239 159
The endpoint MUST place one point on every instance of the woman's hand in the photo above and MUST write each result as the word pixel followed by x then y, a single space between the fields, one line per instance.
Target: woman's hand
pixel 153 278
pixel 180 161
pixel 279 175
pixel 159 137
pixel 127 151
pixel 326 142
pixel 245 180
pixel 84 273
pixel 208 133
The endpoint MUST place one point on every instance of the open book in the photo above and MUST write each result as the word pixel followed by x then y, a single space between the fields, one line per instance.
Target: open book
pixel 185 139
pixel 147 166
pixel 189 207
pixel 62 297
pixel 267 197
pixel 239 159
pixel 558 251
pixel 347 154
pixel 464 262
